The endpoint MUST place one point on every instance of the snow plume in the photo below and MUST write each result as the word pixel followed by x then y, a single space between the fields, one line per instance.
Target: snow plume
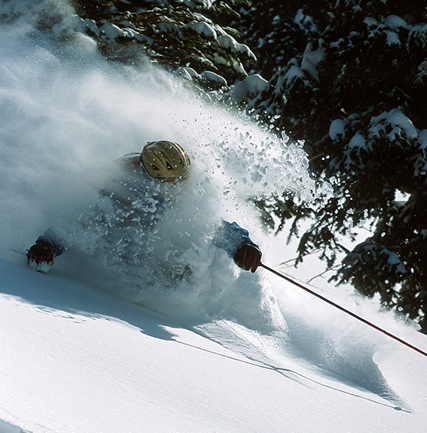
pixel 67 114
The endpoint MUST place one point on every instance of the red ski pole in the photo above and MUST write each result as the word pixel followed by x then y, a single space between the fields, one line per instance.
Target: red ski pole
pixel 301 286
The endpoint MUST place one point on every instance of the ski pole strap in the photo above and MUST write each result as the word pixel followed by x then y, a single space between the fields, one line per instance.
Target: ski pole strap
pixel 301 286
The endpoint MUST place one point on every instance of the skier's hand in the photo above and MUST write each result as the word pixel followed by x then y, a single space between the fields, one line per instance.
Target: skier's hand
pixel 248 257
pixel 40 252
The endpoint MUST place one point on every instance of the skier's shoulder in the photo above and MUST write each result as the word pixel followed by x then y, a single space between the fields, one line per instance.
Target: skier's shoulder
pixel 129 161
pixel 124 177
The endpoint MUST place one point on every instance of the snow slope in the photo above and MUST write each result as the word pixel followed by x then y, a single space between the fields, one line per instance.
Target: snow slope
pixel 100 345
pixel 75 359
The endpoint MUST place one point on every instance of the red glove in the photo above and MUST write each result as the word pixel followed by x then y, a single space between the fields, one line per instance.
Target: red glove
pixel 40 252
pixel 248 257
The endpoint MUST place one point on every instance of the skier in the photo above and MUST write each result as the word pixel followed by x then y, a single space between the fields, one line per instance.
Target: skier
pixel 138 198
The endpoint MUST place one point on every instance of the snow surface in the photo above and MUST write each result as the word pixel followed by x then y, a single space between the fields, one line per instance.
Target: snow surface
pixel 76 359
pixel 95 347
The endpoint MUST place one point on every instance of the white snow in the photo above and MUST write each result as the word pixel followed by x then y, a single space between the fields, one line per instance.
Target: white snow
pixel 423 139
pixel 91 347
pixel 229 43
pixel 311 58
pixel 203 28
pixel 398 122
pixel 393 260
pixel 357 141
pixel 187 73
pixel 205 3
pixel 250 87
pixel 212 76
pixel 112 31
pixel 393 38
pixel 237 65
pixel 370 21
pixel 337 129
pixel 75 358
pixel 394 22
pixel 305 21
pixel 167 27
pixel 74 22
pixel 293 74
pixel 305 68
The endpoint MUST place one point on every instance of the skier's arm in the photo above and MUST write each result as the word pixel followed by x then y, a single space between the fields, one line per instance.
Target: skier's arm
pixel 56 245
pixel 236 242
pixel 46 248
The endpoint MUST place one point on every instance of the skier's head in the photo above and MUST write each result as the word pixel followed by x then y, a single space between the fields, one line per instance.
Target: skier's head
pixel 165 161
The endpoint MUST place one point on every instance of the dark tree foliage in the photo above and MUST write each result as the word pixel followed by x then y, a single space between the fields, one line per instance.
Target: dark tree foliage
pixel 274 36
pixel 172 33
pixel 355 92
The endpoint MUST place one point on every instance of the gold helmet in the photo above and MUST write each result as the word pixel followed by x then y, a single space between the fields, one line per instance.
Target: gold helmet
pixel 166 161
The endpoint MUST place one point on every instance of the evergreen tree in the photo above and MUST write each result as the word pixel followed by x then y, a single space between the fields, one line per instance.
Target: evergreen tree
pixel 181 35
pixel 276 31
pixel 355 92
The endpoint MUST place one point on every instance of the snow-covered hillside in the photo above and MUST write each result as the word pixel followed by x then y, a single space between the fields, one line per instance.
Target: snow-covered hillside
pixel 101 345
pixel 75 359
